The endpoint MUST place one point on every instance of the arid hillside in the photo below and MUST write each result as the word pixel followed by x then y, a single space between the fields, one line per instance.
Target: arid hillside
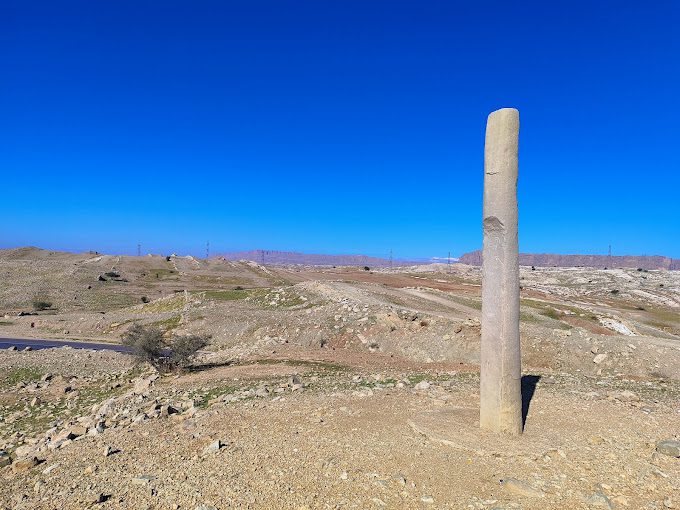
pixel 333 388
pixel 289 258
pixel 594 261
pixel 425 313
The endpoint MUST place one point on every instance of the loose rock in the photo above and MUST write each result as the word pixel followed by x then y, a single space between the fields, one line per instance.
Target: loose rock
pixel 669 447
pixel 521 488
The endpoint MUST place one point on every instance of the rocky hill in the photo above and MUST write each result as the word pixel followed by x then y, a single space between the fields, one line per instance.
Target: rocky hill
pixel 599 261
pixel 312 259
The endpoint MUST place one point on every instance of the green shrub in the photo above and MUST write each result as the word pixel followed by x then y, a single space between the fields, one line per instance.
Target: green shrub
pixel 40 304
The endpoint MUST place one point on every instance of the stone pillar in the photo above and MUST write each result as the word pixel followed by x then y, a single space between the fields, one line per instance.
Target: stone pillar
pixel 501 392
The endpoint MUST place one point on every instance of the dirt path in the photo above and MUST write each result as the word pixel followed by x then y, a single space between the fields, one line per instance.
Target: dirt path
pixel 463 311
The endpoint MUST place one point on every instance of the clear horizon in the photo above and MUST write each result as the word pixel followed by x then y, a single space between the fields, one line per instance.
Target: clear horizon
pixel 336 128
pixel 434 258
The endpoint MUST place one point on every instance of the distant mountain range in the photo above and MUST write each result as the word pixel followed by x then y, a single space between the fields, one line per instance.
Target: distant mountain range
pixel 312 259
pixel 554 260
pixel 473 258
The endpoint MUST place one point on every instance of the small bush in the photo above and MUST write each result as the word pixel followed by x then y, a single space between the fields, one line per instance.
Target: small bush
pixel 551 313
pixel 148 344
pixel 145 299
pixel 184 347
pixel 40 304
pixel 366 268
pixel 614 291
pixel 238 287
pixel 112 274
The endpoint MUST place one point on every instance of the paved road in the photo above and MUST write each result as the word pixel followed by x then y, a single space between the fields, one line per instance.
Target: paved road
pixel 34 343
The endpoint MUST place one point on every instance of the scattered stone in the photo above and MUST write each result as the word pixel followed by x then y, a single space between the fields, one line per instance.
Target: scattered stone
pixel 5 459
pixel 399 478
pixel 422 385
pixel 106 409
pixel 599 358
pixel 100 498
pixel 24 451
pixel 658 473
pixel 97 429
pixel 28 348
pixel 12 348
pixel 23 465
pixel 669 447
pixel 76 431
pixel 168 410
pixel 213 447
pixel 143 384
pixel 620 501
pixel 427 500
pixel 521 488
pixel 599 500
pixel 140 418
pixel 626 396
pixel 49 469
pixel 143 479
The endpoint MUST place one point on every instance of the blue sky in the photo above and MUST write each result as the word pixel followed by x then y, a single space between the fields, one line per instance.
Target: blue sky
pixel 336 127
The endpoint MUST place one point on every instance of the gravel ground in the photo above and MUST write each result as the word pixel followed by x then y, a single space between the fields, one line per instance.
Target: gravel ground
pixel 340 436
pixel 333 388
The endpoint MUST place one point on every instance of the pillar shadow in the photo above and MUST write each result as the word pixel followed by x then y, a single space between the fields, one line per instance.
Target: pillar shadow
pixel 529 383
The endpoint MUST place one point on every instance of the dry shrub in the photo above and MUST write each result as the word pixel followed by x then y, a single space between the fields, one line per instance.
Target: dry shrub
pixel 148 344
pixel 41 304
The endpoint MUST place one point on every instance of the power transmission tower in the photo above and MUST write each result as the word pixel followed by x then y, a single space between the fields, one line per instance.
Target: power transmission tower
pixel 139 250
pixel 390 259
pixel 448 263
pixel 262 256
pixel 207 249
pixel 609 257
